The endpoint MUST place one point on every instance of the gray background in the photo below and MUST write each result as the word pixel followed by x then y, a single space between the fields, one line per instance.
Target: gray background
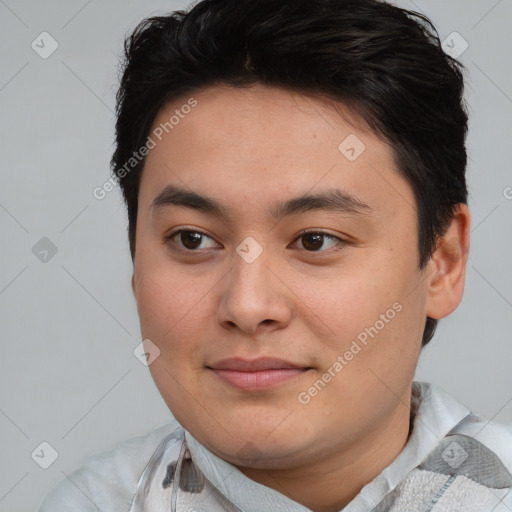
pixel 69 325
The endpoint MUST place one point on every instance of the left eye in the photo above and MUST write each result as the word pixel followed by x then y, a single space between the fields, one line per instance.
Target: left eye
pixel 313 241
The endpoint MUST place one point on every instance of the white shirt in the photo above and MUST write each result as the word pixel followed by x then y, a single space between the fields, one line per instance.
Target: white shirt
pixel 453 461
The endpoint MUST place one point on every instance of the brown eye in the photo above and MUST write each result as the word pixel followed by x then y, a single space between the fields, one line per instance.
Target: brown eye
pixel 315 241
pixel 190 240
pixel 312 241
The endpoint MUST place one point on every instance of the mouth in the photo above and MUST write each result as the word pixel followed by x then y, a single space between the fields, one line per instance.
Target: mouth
pixel 257 374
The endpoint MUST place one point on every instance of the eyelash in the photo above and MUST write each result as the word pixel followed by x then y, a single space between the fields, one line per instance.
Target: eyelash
pixel 341 242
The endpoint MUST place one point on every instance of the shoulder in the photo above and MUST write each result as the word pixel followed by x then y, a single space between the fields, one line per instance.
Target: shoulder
pixel 468 466
pixel 108 480
pixel 496 437
pixel 475 440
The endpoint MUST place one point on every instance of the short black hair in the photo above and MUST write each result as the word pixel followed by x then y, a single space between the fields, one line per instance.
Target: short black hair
pixel 385 62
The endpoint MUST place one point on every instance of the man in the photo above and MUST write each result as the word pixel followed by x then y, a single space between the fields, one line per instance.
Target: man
pixel 294 174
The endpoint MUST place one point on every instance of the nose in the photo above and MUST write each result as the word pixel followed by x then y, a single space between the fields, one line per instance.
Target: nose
pixel 253 298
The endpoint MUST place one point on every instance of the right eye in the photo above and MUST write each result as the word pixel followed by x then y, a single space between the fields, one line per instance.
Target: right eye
pixel 189 240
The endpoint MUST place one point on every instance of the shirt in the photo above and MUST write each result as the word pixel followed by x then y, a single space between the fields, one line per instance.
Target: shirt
pixel 453 461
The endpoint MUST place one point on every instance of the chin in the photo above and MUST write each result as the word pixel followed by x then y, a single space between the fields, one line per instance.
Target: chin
pixel 252 449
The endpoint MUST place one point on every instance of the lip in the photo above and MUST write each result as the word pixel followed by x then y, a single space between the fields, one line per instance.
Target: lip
pixel 256 374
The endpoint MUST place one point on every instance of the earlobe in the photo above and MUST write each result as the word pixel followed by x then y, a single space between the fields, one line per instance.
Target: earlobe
pixel 447 266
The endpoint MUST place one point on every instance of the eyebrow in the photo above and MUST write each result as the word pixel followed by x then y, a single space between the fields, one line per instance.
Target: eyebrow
pixel 330 200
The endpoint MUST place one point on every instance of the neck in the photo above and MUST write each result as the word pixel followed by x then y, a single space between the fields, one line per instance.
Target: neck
pixel 330 483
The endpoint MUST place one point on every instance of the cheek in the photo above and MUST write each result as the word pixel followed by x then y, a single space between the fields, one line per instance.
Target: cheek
pixel 177 311
pixel 353 298
pixel 369 314
pixel 165 298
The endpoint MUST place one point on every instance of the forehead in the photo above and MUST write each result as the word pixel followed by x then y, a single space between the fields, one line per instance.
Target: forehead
pixel 255 146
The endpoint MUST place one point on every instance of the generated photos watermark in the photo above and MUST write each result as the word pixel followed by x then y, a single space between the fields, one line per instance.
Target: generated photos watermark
pixel 357 345
pixel 100 192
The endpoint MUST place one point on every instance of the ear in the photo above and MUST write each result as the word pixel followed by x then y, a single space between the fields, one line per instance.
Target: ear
pixel 133 284
pixel 447 267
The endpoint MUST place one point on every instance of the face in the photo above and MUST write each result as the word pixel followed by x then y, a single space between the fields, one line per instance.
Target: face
pixel 287 329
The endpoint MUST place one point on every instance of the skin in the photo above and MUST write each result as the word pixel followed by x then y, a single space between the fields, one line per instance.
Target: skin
pixel 249 148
